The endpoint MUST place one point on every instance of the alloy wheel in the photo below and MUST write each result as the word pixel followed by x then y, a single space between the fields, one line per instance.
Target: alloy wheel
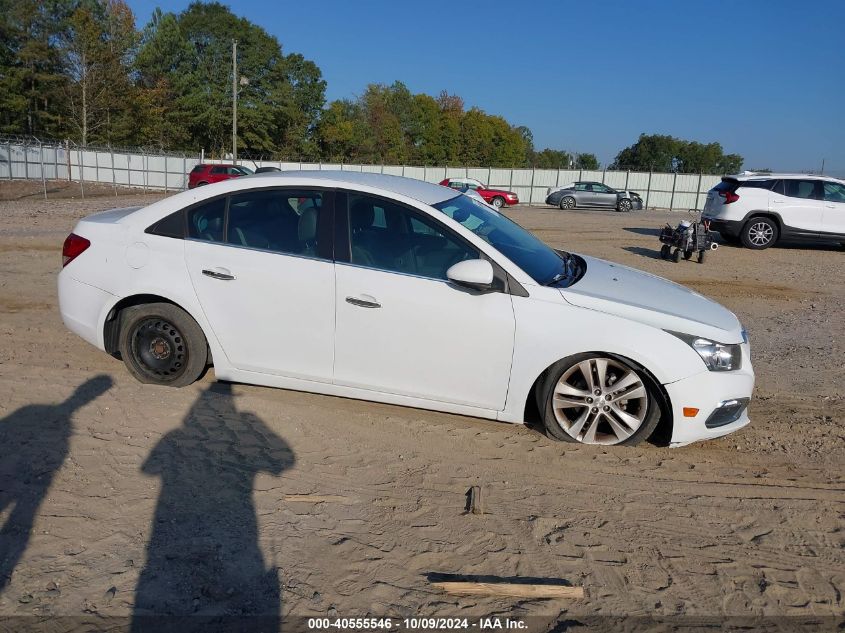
pixel 568 203
pixel 600 401
pixel 760 233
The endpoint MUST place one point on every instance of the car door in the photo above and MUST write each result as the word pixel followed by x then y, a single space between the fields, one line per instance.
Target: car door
pixel 603 196
pixel 402 328
pixel 834 208
pixel 265 280
pixel 798 202
pixel 583 194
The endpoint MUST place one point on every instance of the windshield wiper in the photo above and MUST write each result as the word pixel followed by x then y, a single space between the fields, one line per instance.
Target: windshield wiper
pixel 569 268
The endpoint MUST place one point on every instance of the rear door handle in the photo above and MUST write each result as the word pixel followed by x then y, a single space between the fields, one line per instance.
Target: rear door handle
pixel 218 273
pixel 363 303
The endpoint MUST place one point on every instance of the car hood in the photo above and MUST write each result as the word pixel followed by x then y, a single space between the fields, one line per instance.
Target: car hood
pixel 640 296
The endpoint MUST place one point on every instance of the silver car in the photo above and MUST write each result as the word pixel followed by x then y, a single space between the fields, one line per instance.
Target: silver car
pixel 594 194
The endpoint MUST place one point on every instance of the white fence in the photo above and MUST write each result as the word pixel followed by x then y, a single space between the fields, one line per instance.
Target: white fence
pixel 155 171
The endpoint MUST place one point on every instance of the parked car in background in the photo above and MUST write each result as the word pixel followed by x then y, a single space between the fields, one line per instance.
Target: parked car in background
pixel 396 290
pixel 264 170
pixel 760 209
pixel 472 193
pixel 206 174
pixel 497 197
pixel 593 194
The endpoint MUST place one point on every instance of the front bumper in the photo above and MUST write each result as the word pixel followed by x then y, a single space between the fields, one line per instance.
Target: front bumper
pixel 706 391
pixel 511 201
pixel 636 204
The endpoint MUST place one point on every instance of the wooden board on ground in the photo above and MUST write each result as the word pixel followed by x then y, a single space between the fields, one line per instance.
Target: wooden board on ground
pixel 511 590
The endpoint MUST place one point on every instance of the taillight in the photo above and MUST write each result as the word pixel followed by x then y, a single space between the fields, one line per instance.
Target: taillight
pixel 74 246
pixel 729 196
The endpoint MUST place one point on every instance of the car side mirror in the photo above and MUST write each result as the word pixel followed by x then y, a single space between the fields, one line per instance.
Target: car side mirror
pixel 476 274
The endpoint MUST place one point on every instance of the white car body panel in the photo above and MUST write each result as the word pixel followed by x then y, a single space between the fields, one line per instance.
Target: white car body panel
pixel 431 345
pixel 288 302
pixel 408 345
pixel 799 213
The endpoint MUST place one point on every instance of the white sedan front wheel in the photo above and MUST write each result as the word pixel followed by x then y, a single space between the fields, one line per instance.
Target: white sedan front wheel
pixel 596 399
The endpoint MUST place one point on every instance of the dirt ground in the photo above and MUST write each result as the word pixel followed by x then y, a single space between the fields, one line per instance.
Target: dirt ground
pixel 120 499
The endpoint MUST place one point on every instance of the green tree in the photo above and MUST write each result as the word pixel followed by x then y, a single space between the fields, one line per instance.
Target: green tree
pixel 666 153
pixel 551 159
pixel 31 77
pixel 587 161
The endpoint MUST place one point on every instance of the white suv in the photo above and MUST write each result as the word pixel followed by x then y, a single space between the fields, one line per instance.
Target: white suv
pixel 760 209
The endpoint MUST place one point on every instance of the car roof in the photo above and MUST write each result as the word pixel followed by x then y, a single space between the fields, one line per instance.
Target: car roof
pixel 425 192
pixel 770 176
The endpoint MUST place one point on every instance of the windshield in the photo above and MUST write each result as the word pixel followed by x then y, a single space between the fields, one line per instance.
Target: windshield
pixel 541 262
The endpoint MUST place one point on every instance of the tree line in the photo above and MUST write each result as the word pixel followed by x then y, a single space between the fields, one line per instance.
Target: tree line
pixel 79 69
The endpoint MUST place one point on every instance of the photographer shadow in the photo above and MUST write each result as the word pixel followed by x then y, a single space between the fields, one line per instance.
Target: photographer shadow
pixel 204 568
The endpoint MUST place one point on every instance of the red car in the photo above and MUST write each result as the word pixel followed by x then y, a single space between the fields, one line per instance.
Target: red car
pixel 205 174
pixel 497 197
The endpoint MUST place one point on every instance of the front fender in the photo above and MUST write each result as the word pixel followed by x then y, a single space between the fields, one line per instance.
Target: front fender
pixel 548 330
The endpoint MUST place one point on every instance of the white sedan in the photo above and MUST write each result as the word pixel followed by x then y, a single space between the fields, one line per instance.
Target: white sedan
pixel 395 290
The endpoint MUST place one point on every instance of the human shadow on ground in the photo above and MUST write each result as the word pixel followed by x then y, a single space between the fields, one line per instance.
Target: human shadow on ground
pixel 33 445
pixel 204 567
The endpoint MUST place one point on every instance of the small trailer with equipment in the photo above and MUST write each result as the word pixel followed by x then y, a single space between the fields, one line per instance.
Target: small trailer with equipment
pixel 687 238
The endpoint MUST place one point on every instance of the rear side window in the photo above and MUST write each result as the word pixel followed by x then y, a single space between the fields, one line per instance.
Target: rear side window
pixel 281 221
pixel 805 189
pixel 171 226
pixel 198 169
pixel 205 222
pixel 218 170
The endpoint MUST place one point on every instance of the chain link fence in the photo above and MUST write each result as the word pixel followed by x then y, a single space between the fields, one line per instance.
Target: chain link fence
pixel 154 170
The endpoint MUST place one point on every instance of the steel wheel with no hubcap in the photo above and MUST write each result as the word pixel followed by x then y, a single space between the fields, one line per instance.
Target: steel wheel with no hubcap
pixel 159 348
pixel 600 401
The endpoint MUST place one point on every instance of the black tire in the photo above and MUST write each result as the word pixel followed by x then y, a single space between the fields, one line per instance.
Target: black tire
pixel 650 416
pixel 701 255
pixel 624 205
pixel 202 184
pixel 688 254
pixel 676 255
pixel 498 202
pixel 664 251
pixel 161 344
pixel 759 233
pixel 567 202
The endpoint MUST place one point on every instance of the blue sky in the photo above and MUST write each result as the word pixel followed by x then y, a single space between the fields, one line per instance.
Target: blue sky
pixel 766 79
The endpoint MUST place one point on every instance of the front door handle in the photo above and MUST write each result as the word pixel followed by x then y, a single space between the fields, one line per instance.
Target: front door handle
pixel 363 303
pixel 218 273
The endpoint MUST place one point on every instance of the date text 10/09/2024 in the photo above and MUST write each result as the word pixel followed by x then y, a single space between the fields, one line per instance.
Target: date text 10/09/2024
pixel 385 624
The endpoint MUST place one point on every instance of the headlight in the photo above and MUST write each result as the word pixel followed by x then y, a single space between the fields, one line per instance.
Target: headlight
pixel 717 356
pixel 511 195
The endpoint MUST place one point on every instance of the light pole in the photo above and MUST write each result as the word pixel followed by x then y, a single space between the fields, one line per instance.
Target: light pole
pixel 235 102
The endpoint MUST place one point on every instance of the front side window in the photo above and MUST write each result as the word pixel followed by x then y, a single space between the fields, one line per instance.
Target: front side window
pixel 806 189
pixel 525 250
pixel 281 221
pixel 388 236
pixel 600 189
pixel 834 192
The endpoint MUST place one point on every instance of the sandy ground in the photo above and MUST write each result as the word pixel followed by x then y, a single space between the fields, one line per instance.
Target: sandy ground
pixel 120 498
